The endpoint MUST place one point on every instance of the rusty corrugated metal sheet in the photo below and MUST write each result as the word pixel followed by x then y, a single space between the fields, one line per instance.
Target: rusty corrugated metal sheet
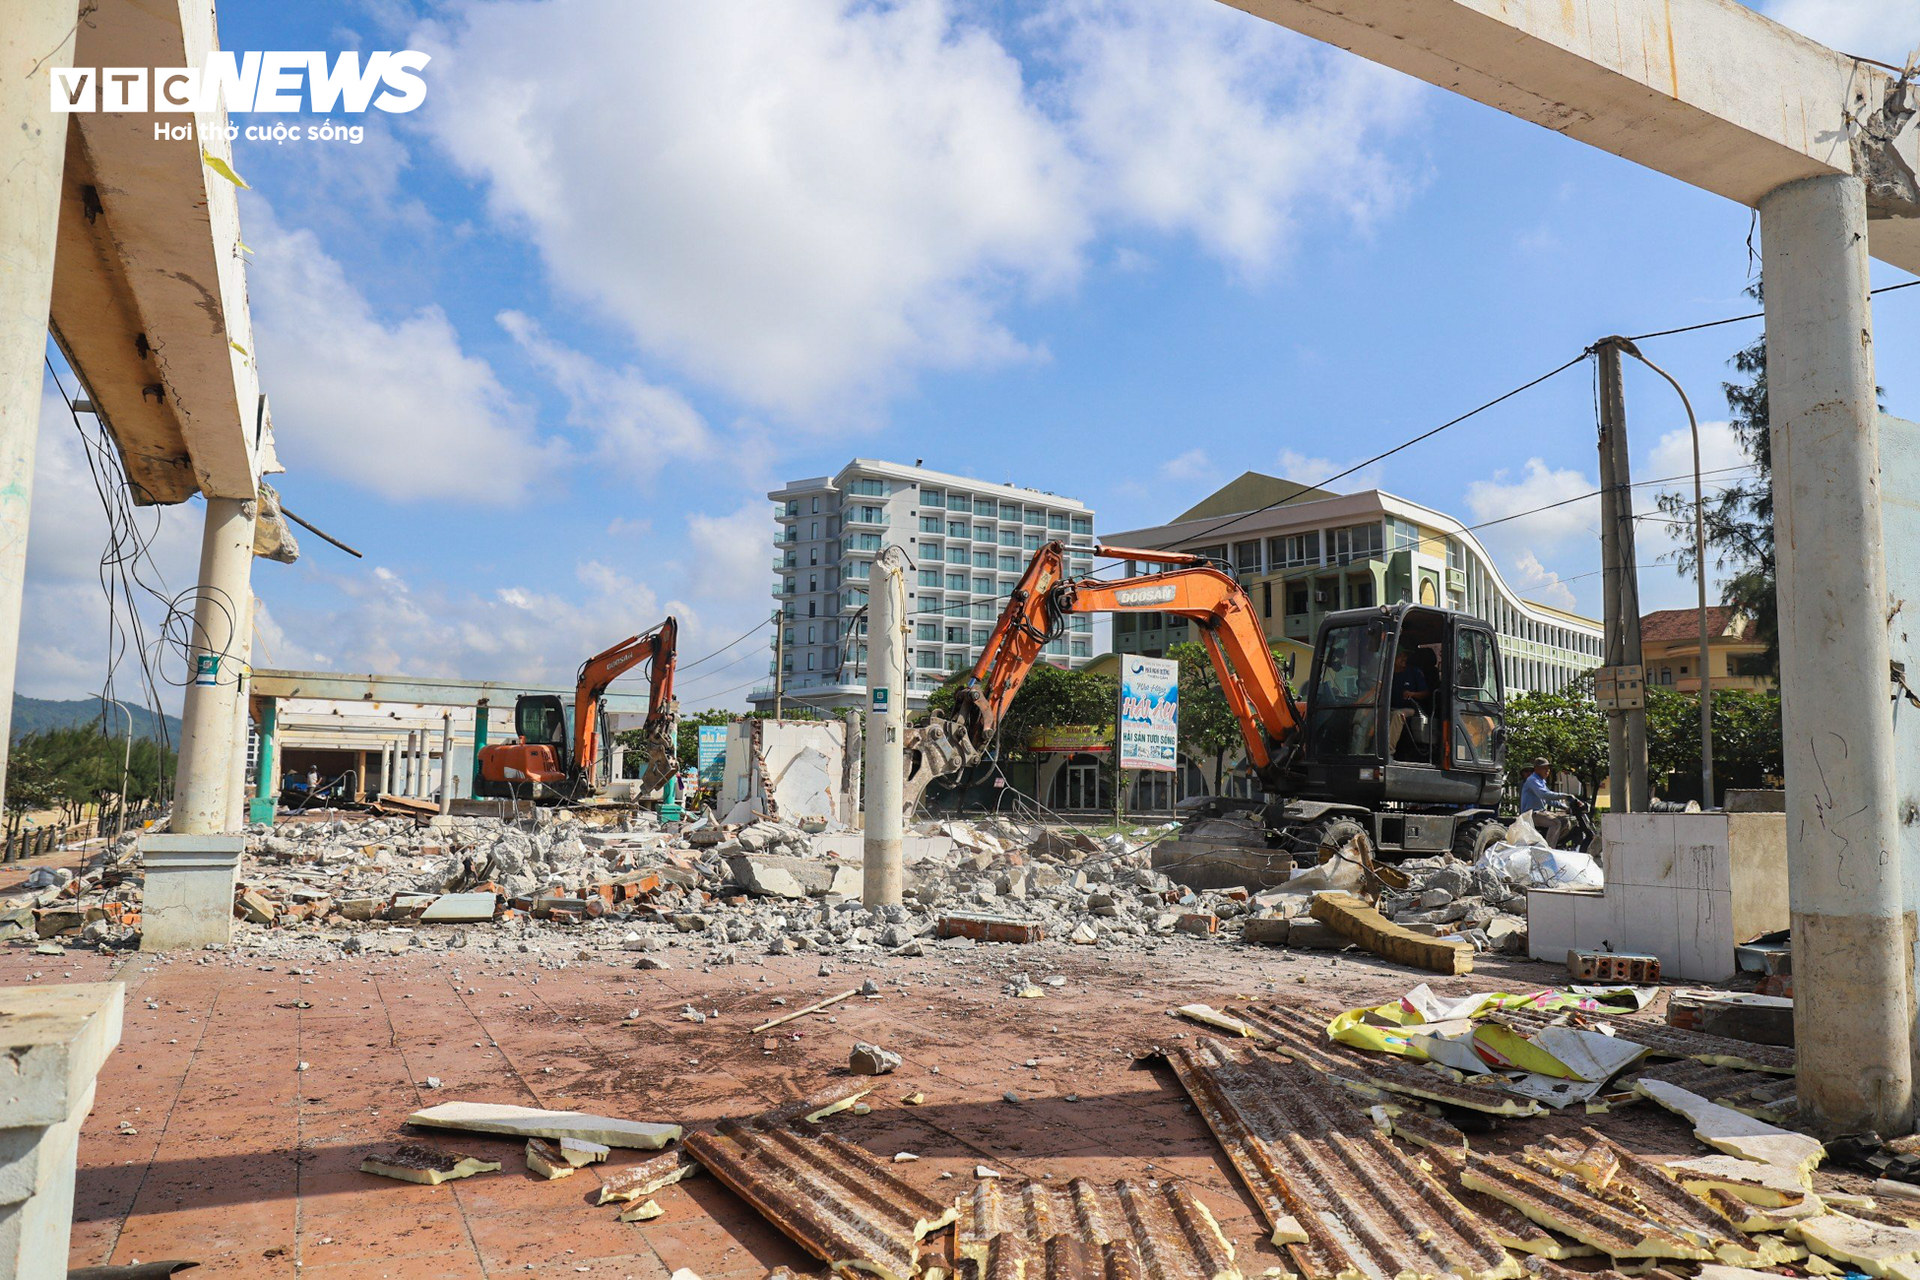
pixel 1127 1231
pixel 1666 1041
pixel 1339 1195
pixel 1758 1093
pixel 1602 1195
pixel 1301 1034
pixel 837 1201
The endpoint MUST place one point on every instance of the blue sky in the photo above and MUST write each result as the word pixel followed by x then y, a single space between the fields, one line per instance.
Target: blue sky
pixel 540 347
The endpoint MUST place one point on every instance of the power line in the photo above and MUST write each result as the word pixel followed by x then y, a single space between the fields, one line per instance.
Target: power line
pixel 1405 444
pixel 1752 315
pixel 688 666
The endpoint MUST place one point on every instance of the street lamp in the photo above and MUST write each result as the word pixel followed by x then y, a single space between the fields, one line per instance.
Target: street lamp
pixel 1700 565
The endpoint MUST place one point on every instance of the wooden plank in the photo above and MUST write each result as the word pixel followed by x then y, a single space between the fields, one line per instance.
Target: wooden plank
pixel 1352 918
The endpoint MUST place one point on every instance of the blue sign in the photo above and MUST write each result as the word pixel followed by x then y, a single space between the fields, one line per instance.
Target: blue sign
pixel 713 754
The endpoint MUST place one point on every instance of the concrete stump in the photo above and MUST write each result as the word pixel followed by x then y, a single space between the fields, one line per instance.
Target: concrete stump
pixel 53 1042
pixel 188 901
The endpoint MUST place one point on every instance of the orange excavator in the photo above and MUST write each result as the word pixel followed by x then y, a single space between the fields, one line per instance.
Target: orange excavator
pixel 556 750
pixel 1414 761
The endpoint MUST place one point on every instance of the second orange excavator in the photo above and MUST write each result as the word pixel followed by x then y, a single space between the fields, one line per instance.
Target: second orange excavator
pixel 1415 763
pixel 555 754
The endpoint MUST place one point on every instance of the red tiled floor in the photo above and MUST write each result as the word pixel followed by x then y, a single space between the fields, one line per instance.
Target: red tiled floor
pixel 251 1166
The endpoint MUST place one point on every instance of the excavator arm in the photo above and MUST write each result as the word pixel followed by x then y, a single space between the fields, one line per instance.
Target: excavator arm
pixel 1035 615
pixel 659 647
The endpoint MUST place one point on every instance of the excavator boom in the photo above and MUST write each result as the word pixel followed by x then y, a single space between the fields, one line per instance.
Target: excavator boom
pixel 1035 615
pixel 660 646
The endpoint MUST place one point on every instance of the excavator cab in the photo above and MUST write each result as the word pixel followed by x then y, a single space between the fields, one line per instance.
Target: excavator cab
pixel 1405 706
pixel 543 720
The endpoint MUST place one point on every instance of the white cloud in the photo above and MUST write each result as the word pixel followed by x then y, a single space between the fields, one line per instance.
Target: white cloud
pixel 808 203
pixel 1199 120
pixel 1883 29
pixel 1537 486
pixel 638 426
pixel 1194 464
pixel 791 200
pixel 1534 581
pixel 397 407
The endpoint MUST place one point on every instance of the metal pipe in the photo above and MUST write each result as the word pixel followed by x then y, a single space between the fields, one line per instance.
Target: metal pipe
pixel 1700 565
pixel 883 872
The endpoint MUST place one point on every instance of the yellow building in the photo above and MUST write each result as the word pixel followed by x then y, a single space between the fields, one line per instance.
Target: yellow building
pixel 1670 650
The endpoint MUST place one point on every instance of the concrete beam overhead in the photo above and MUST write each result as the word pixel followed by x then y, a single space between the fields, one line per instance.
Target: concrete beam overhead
pixel 150 294
pixel 427 691
pixel 1706 91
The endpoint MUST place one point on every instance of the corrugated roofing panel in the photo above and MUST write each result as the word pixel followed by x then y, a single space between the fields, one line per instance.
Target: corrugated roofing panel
pixel 1668 1042
pixel 1757 1093
pixel 837 1201
pixel 1153 1231
pixel 1338 1194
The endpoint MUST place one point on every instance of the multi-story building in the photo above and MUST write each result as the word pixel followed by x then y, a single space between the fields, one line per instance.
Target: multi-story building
pixel 1670 650
pixel 1312 552
pixel 968 542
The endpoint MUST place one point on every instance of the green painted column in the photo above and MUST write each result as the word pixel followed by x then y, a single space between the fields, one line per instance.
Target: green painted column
pixel 479 745
pixel 267 787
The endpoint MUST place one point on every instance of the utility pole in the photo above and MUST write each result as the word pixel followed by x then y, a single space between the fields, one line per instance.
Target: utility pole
pixel 1626 730
pixel 886 771
pixel 779 663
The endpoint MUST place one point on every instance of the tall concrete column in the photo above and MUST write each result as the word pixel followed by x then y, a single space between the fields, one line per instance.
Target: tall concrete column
pixel 32 155
pixel 446 762
pixel 243 672
pixel 422 754
pixel 207 719
pixel 886 768
pixel 1853 938
pixel 406 766
pixel 479 745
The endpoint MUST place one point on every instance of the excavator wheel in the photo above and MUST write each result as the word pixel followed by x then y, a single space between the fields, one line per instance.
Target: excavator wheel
pixel 1471 839
pixel 1314 841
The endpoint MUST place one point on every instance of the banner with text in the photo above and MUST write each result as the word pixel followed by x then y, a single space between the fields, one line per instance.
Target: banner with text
pixel 1149 713
pixel 713 754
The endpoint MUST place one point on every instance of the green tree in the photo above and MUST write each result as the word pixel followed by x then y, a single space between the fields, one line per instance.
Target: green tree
pixel 1566 727
pixel 1048 698
pixel 1747 746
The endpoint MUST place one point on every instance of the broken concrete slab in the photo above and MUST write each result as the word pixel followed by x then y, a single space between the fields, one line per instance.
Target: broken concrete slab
pixel 412 1163
pixel 645 1211
pixel 1878 1249
pixel 636 1182
pixel 547 1161
pixel 1725 1129
pixel 460 908
pixel 532 1122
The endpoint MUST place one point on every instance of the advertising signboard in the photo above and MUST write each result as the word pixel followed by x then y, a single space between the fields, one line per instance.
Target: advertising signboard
pixel 1149 713
pixel 713 754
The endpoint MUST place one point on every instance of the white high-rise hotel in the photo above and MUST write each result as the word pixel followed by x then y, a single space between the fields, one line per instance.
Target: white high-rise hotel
pixel 968 542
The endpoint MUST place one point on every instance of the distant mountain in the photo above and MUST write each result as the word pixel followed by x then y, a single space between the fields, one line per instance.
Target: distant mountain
pixel 31 715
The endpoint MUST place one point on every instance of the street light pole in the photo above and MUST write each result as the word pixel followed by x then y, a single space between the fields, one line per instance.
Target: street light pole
pixel 1700 567
pixel 126 766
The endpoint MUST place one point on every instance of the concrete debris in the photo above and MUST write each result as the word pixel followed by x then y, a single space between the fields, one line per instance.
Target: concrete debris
pixel 643 1212
pixel 546 1160
pixel 411 1163
pixel 1725 1129
pixel 531 1122
pixel 871 1060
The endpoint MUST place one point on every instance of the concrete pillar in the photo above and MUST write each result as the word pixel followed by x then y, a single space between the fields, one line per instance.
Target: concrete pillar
pixel 886 767
pixel 386 768
pixel 32 155
pixel 243 674
pixel 267 784
pixel 407 767
pixel 56 1039
pixel 422 753
pixel 1853 939
pixel 446 762
pixel 479 745
pixel 207 719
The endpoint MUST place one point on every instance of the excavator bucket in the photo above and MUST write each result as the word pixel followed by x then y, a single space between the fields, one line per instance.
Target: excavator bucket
pixel 661 756
pixel 935 749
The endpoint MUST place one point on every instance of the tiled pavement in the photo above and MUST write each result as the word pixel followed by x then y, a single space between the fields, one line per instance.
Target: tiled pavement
pixel 249 1165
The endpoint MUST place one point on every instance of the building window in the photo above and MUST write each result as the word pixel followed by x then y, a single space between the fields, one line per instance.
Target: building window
pixel 980 636
pixel 1009 537
pixel 814 526
pixel 1401 534
pixel 956 582
pixel 957 555
pixel 1031 542
pixel 1057 520
pixel 1294 550
pixel 1266 599
pixel 1034 516
pixel 929 577
pixel 983 507
pixel 926 631
pixel 959 502
pixel 1009 564
pixel 1297 603
pixel 929 659
pixel 930 524
pixel 1362 592
pixel 1218 555
pixel 1456 554
pixel 1083 524
pixel 1080 622
pixel 983 586
pixel 1246 558
pixel 1082 648
pixel 813 582
pixel 816 506
pixel 932 498
pixel 983 560
pixel 1355 542
pixel 868 488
